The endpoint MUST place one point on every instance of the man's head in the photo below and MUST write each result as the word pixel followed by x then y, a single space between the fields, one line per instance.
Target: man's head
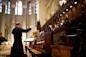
pixel 18 25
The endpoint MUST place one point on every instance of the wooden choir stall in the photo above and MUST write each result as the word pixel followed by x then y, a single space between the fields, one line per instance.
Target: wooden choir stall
pixel 60 36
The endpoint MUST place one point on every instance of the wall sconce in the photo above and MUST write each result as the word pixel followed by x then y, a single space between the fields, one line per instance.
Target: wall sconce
pixel 62 22
pixel 63 12
pixel 61 15
pixel 71 6
pixel 75 2
pixel 67 9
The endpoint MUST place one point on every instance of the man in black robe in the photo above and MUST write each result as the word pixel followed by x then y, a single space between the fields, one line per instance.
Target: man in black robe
pixel 17 49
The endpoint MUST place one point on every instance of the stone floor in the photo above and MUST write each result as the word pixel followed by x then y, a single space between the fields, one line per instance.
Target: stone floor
pixel 7 54
pixel 5 51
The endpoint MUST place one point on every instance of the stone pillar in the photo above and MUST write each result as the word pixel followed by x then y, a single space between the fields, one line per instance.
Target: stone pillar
pixel 12 20
pixel 24 3
pixel 34 17
pixel 24 13
pixel 12 15
pixel 3 19
pixel 24 18
pixel 0 20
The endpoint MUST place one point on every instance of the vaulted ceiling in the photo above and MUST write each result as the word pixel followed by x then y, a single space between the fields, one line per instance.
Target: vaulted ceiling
pixel 46 9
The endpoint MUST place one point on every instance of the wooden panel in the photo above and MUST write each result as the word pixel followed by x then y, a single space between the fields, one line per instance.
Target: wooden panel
pixel 38 47
pixel 61 51
pixel 47 38
pixel 56 52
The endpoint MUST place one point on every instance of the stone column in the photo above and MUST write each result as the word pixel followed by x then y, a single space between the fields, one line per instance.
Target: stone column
pixel 34 16
pixel 0 20
pixel 3 19
pixel 24 18
pixel 12 21
pixel 24 4
pixel 24 13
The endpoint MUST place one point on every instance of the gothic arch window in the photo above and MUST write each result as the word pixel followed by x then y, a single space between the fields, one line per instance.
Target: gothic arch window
pixel 7 7
pixel 0 6
pixel 36 6
pixel 18 8
pixel 29 7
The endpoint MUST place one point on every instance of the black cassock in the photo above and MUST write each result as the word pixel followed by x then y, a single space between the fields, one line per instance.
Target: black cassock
pixel 17 49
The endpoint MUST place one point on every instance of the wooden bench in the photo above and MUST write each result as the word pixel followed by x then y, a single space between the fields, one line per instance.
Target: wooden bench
pixel 34 52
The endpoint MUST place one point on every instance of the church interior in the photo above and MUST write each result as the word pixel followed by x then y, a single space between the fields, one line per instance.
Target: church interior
pixel 57 27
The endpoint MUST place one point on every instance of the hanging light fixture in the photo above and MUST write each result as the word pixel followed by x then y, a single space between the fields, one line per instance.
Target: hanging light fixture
pixel 63 12
pixel 75 2
pixel 71 6
pixel 67 9
pixel 61 15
